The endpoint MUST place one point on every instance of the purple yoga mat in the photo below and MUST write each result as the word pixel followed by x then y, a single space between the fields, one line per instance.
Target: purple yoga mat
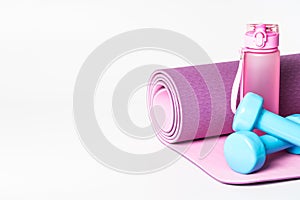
pixel 193 104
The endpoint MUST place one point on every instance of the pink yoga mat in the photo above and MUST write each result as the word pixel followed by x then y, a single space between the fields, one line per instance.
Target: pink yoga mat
pixel 190 112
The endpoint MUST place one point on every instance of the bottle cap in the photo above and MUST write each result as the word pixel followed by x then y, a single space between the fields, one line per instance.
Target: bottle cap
pixel 262 36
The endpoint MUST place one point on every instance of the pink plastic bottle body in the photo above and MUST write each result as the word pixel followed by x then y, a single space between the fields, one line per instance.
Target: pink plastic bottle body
pixel 261 75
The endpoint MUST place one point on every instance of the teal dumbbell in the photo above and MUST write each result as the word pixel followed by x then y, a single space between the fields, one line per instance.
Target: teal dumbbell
pixel 250 114
pixel 245 151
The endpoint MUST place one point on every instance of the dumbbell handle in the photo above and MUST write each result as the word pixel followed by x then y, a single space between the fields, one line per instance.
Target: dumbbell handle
pixel 273 144
pixel 279 127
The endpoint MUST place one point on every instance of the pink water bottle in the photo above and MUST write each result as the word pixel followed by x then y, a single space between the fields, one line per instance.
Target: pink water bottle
pixel 261 70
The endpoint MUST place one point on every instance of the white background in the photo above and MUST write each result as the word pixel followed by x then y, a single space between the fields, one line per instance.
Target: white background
pixel 43 45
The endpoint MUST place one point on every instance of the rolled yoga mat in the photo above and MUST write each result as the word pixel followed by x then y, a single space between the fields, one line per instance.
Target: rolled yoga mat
pixel 189 108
